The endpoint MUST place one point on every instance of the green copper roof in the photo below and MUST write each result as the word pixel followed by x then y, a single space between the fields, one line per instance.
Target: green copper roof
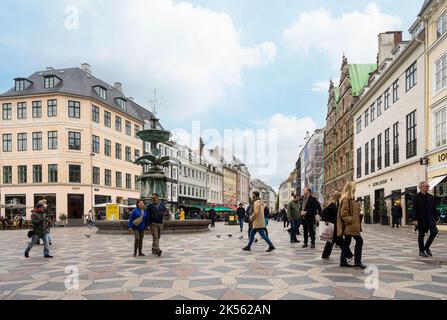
pixel 359 75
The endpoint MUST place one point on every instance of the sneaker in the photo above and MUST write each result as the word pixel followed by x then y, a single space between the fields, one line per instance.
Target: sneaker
pixel 48 256
pixel 270 249
pixel 26 255
pixel 246 248
pixel 428 252
pixel 423 254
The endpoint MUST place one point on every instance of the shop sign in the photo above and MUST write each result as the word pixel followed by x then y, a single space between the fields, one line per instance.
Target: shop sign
pixel 375 184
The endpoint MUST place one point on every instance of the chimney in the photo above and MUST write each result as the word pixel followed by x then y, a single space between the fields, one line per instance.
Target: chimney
pixel 118 86
pixel 387 42
pixel 86 68
pixel 50 69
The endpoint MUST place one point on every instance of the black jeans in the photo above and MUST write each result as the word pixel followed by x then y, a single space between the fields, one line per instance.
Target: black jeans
pixel 346 251
pixel 330 245
pixel 309 230
pixel 286 222
pixel 431 238
pixel 396 221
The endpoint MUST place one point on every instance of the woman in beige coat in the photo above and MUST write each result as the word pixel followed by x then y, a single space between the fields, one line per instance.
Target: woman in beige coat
pixel 257 219
pixel 349 225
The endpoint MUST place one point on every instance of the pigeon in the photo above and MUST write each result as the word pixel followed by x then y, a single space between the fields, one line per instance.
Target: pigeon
pixel 88 235
pixel 241 237
pixel 229 235
pixel 218 236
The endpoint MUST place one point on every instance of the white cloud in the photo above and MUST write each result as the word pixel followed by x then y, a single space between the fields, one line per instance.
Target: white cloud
pixel 354 33
pixel 191 54
pixel 321 86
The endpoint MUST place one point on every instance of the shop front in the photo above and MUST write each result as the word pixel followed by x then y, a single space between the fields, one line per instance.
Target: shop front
pixel 15 199
pixel 437 179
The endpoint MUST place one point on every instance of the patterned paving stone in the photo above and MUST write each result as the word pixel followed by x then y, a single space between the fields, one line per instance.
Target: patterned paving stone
pixel 400 295
pixel 205 282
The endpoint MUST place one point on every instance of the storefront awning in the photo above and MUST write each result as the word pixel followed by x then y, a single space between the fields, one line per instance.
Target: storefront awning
pixel 436 181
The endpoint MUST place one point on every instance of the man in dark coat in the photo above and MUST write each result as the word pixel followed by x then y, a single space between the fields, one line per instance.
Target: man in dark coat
pixel 283 214
pixel 40 230
pixel 241 215
pixel 396 213
pixel 424 217
pixel 309 207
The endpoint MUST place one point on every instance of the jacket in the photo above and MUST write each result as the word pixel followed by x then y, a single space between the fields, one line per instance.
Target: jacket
pixel 424 211
pixel 329 213
pixel 312 208
pixel 240 213
pixel 40 222
pixel 136 213
pixel 396 211
pixel 293 210
pixel 348 218
pixel 155 213
pixel 258 215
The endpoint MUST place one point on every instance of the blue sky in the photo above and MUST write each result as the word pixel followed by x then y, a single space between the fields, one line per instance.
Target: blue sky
pixel 229 64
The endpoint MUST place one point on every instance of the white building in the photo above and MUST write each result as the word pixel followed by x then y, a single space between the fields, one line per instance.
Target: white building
pixel 286 192
pixel 389 128
pixel 214 178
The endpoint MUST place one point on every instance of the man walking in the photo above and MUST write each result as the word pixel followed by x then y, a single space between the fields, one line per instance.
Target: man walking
pixel 396 213
pixel 212 216
pixel 283 214
pixel 40 230
pixel 257 218
pixel 425 218
pixel 155 212
pixel 293 215
pixel 241 215
pixel 309 209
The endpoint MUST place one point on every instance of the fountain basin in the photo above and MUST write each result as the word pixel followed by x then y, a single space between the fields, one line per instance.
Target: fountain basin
pixel 169 227
pixel 154 135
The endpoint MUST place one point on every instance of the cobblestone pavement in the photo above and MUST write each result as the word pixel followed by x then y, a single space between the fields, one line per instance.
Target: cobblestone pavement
pixel 205 266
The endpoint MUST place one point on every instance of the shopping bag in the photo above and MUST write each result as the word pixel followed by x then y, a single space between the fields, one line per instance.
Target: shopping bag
pixel 326 232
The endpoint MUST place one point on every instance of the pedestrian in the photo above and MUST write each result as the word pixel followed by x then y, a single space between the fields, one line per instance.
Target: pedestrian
pixel 241 215
pixel 309 210
pixel 425 218
pixel 283 214
pixel 137 225
pixel 349 225
pixel 257 218
pixel 40 231
pixel 248 214
pixel 182 215
pixel 155 212
pixel 213 215
pixel 329 215
pixel 396 213
pixel 293 215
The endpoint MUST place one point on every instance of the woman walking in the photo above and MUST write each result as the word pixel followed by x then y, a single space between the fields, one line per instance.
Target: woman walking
pixel 137 225
pixel 349 226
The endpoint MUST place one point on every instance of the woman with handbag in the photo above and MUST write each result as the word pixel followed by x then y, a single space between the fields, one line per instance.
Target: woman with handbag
pixel 349 226
pixel 137 225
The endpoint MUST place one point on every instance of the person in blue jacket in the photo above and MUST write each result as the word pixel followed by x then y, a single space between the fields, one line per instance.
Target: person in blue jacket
pixel 137 225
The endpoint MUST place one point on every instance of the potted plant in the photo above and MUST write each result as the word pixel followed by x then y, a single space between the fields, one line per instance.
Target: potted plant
pixel 63 217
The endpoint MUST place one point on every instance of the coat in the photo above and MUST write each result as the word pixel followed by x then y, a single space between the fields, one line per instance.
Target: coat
pixel 424 211
pixel 155 213
pixel 40 223
pixel 136 213
pixel 240 213
pixel 293 210
pixel 329 213
pixel 257 217
pixel 312 208
pixel 348 218
pixel 396 211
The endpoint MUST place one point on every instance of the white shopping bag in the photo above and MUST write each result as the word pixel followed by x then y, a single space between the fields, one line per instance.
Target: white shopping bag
pixel 326 232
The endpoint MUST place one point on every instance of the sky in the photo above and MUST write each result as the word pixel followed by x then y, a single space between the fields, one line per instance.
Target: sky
pixel 251 76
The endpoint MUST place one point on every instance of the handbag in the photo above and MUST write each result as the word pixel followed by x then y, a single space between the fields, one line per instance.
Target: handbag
pixel 30 234
pixel 138 221
pixel 326 232
pixel 247 219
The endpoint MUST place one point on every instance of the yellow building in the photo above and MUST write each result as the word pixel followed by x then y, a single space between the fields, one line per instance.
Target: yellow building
pixel 431 26
pixel 70 138
pixel 230 185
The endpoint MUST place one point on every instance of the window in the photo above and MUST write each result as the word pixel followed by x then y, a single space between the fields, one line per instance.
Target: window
pixel 118 123
pixel 74 109
pixel 37 141
pixel 379 107
pixel 396 91
pixel 7 111
pixel 136 129
pixel 373 155
pixel 95 114
pixel 74 140
pixel 411 77
pixel 52 140
pixel 20 85
pixel 411 135
pixel 122 103
pixel 440 127
pixel 379 152
pixel 22 142
pixel 119 180
pixel 441 73
pixel 7 142
pixel 96 176
pixel 102 92
pixel 37 109
pixel 7 175
pixel 396 143
pixel 108 178
pixel 95 144
pixel 21 110
pixel 387 148
pixel 52 173
pixel 118 151
pixel 107 119
pixel 37 174
pixel 23 174
pixel 386 99
pixel 107 148
pixel 128 154
pixel 366 159
pixel 373 112
pixel 49 82
pixel 359 163
pixel 366 118
pixel 74 173
pixel 52 108
pixel 128 128
pixel 128 181
pixel 441 25
pixel 137 153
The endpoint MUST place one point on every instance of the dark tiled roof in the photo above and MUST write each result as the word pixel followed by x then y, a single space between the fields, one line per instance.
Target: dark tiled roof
pixel 425 6
pixel 76 81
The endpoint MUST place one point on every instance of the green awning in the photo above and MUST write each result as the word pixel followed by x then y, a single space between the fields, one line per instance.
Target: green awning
pixel 219 209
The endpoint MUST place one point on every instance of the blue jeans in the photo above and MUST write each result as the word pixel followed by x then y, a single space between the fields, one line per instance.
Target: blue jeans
pixel 294 231
pixel 241 223
pixel 262 234
pixel 46 246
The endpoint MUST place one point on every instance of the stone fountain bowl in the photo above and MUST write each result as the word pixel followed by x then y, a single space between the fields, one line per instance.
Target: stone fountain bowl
pixel 154 135
pixel 169 227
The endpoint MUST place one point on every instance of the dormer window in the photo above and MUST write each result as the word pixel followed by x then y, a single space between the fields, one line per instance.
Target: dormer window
pixel 49 82
pixel 21 84
pixel 122 103
pixel 101 91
